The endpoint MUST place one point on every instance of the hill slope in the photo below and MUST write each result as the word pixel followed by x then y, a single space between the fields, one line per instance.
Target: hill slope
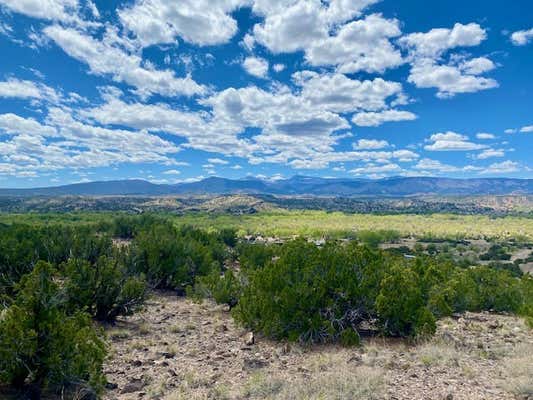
pixel 297 185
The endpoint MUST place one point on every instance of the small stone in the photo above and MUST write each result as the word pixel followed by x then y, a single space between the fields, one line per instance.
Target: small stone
pixel 132 386
pixel 249 339
pixel 111 386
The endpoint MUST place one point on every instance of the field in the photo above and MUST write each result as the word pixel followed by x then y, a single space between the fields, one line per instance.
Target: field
pixel 319 223
pixel 316 224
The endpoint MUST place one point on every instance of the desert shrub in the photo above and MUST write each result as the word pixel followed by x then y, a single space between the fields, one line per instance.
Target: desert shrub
pixel 22 246
pixel 400 304
pixel 41 346
pixel 172 258
pixel 309 294
pixel 495 252
pixel 228 236
pixel 104 289
pixel 513 268
pixel 253 256
pixel 223 288
pixel 374 238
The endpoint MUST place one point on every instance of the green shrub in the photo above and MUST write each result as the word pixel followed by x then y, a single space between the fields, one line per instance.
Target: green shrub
pixel 172 258
pixel 308 294
pixel 253 256
pixel 41 346
pixel 104 290
pixel 400 301
pixel 223 288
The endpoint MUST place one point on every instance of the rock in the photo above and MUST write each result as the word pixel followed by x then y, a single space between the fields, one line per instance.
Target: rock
pixel 494 325
pixel 449 396
pixel 135 385
pixel 136 363
pixel 111 386
pixel 249 339
pixel 254 363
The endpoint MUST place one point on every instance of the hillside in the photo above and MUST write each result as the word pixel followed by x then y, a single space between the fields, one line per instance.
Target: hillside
pixel 297 185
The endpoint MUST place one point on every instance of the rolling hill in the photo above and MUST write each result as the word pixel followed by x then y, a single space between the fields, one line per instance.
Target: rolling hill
pixel 297 185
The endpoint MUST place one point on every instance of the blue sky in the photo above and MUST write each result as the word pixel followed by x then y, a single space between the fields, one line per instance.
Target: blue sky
pixel 175 91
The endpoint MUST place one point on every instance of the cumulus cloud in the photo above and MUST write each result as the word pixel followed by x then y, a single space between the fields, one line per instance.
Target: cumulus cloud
pixel 527 129
pixel 322 31
pixel 522 38
pixel 448 79
pixel 370 144
pixel 60 10
pixel 24 89
pixel 61 142
pixel 459 75
pixel 428 164
pixel 490 153
pixel 370 169
pixel 172 172
pixel 256 66
pixel 218 161
pixel 434 43
pixel 201 22
pixel 104 57
pixel 451 141
pixel 485 136
pixel 504 167
pixel 378 118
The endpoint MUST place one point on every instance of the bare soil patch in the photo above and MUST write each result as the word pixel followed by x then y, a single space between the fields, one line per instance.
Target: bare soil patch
pixel 176 349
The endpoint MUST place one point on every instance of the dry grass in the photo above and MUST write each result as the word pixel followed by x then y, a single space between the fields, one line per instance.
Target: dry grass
pixel 440 354
pixel 330 376
pixel 518 369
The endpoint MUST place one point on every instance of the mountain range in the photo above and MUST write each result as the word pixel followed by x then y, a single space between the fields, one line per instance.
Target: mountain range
pixel 297 185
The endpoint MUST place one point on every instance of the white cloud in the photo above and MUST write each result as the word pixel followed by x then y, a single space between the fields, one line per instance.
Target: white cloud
pixel 338 93
pixel 485 136
pixel 361 45
pixel 428 164
pixel 326 34
pixel 370 144
pixel 278 67
pixel 510 131
pixel 19 89
pixel 434 43
pixel 218 161
pixel 451 141
pixel 376 169
pixel 459 75
pixel 172 172
pixel 504 167
pixel 61 10
pixel 106 57
pixel 378 118
pixel 476 66
pixel 256 66
pixel 61 142
pixel 13 124
pixel 201 22
pixel 490 153
pixel 522 38
pixel 448 79
pixel 527 129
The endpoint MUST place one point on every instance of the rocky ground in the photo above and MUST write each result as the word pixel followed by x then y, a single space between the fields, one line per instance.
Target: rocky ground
pixel 177 349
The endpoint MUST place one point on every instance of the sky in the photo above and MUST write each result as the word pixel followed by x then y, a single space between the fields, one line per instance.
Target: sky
pixel 176 91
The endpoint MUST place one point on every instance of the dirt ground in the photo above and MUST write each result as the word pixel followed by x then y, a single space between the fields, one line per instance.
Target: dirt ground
pixel 176 349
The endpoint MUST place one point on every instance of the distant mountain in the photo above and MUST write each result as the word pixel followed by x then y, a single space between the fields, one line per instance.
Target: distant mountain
pixel 297 185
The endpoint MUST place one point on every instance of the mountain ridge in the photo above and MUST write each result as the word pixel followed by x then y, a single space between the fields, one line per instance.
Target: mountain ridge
pixel 296 185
